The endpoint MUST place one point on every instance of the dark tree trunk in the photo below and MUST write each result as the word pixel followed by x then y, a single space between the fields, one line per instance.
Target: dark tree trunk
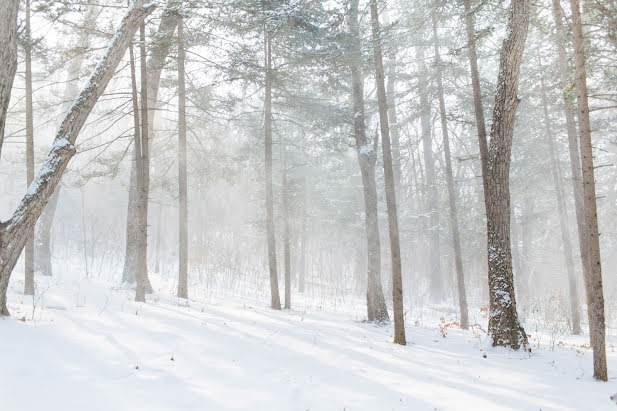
pixel 274 283
pixel 593 281
pixel 182 174
pixel 367 157
pixel 395 247
pixel 13 233
pixel 504 326
pixel 8 57
pixel 456 241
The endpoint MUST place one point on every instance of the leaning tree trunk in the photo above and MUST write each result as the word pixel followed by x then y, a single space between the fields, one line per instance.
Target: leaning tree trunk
pixel 274 282
pixel 182 173
pixel 456 241
pixel 42 241
pixel 575 309
pixel 13 233
pixel 395 247
pixel 8 57
pixel 367 157
pixel 29 249
pixel 504 326
pixel 593 281
pixel 575 163
pixel 159 50
pixel 436 280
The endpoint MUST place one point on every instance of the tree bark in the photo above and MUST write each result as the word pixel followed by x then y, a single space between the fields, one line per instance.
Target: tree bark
pixel 143 283
pixel 160 46
pixel 456 241
pixel 29 249
pixel 367 157
pixel 182 173
pixel 42 241
pixel 274 283
pixel 8 57
pixel 575 310
pixel 395 248
pixel 593 282
pixel 13 233
pixel 504 326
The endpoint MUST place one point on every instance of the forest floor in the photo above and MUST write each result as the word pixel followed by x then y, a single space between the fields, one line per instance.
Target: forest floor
pixel 87 346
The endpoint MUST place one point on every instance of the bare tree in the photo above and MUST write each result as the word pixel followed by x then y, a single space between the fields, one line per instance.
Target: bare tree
pixel 504 326
pixel 286 240
pixel 367 157
pixel 143 170
pixel 575 163
pixel 274 283
pixel 477 92
pixel 395 247
pixel 182 174
pixel 593 280
pixel 575 309
pixel 456 241
pixel 14 232
pixel 8 57
pixel 160 46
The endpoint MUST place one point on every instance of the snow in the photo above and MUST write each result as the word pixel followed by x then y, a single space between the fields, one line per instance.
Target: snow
pixel 86 345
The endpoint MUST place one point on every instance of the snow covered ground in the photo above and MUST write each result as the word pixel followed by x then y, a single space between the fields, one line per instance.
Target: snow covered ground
pixel 87 346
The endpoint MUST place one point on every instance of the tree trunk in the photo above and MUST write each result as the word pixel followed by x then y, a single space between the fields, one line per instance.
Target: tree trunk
pixel 436 280
pixel 8 57
pixel 274 283
pixel 42 244
pixel 477 93
pixel 13 233
pixel 159 234
pixel 143 283
pixel 160 46
pixel 575 310
pixel 367 157
pixel 286 241
pixel 393 118
pixel 593 282
pixel 29 249
pixel 182 174
pixel 504 326
pixel 456 241
pixel 575 163
pixel 303 238
pixel 395 248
